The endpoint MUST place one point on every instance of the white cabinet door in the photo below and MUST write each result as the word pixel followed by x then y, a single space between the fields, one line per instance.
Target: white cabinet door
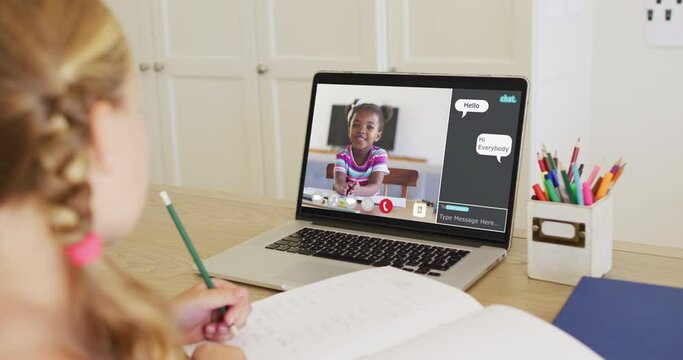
pixel 460 36
pixel 297 38
pixel 208 95
pixel 465 37
pixel 135 17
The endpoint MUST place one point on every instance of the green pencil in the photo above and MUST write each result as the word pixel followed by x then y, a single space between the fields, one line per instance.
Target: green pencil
pixel 186 238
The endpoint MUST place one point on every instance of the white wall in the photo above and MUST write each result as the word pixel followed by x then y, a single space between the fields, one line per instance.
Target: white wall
pixel 561 79
pixel 638 114
pixel 422 116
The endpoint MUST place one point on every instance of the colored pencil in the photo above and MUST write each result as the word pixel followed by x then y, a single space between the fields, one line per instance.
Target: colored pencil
pixel 577 181
pixel 575 153
pixel 567 186
pixel 595 187
pixel 539 193
pixel 587 194
pixel 551 190
pixel 594 173
pixel 618 174
pixel 547 158
pixel 615 167
pixel 541 162
pixel 193 252
pixel 604 185
pixel 575 156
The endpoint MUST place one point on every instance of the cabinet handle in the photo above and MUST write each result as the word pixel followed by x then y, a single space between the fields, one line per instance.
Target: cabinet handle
pixel 261 69
pixel 143 67
pixel 158 67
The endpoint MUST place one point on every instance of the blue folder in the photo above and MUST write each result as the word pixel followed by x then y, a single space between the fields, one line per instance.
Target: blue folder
pixel 625 320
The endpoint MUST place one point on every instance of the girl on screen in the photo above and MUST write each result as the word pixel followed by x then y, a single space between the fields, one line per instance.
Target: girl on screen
pixel 360 167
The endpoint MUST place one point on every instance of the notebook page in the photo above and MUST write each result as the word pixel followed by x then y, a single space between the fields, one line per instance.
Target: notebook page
pixel 497 332
pixel 350 315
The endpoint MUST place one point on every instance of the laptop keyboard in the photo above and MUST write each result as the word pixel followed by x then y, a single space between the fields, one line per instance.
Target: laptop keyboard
pixel 418 258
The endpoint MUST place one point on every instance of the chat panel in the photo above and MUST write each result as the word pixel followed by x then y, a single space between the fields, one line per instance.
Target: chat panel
pixel 478 164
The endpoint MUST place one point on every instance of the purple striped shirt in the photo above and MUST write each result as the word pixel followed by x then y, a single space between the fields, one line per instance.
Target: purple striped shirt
pixel 377 161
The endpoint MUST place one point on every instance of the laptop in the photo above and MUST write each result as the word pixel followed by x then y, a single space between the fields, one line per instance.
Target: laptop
pixel 439 203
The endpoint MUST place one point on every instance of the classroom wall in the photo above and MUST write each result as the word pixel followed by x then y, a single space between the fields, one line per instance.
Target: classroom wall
pixel 637 113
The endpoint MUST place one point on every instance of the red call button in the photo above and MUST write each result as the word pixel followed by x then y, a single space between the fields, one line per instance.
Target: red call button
pixel 386 206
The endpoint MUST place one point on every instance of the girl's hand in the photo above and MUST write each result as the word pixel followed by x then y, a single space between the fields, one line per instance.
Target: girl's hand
pixel 193 310
pixel 217 351
pixel 342 188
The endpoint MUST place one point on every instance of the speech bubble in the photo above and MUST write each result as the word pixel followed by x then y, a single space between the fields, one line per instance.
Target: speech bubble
pixel 494 145
pixel 470 105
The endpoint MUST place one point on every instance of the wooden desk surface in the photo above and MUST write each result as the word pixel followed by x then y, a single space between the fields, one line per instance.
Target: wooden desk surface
pixel 155 253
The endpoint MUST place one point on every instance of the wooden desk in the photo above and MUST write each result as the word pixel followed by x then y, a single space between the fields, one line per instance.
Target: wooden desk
pixel 155 253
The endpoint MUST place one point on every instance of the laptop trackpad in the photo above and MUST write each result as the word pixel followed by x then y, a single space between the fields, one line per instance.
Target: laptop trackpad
pixel 307 272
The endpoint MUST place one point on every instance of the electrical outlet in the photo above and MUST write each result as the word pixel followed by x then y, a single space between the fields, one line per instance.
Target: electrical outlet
pixel 663 22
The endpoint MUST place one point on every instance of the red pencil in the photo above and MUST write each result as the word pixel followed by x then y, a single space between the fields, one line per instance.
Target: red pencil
pixel 541 163
pixel 575 153
pixel 540 195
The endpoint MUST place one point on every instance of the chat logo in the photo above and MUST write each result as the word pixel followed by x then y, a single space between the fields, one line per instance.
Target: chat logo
pixel 494 145
pixel 469 105
pixel 508 99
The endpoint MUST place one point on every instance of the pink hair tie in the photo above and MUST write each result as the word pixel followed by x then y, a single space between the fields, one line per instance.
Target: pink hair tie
pixel 85 251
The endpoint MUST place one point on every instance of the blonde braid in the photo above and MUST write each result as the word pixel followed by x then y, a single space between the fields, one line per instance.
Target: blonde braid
pixel 61 155
pixel 110 301
pixel 58 58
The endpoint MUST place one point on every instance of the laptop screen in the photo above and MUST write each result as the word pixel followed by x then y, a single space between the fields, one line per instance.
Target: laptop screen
pixel 424 152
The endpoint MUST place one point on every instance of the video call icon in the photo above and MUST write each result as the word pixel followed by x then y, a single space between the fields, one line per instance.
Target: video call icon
pixel 367 204
pixel 333 200
pixel 385 206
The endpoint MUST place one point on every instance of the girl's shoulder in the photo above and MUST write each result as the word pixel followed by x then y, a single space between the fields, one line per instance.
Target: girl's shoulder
pixel 344 151
pixel 377 151
pixel 31 332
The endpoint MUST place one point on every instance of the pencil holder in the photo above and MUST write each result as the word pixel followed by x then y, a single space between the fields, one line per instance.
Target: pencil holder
pixel 566 241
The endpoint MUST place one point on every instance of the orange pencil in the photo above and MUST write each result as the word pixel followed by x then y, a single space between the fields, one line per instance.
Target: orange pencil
pixel 604 185
pixel 596 186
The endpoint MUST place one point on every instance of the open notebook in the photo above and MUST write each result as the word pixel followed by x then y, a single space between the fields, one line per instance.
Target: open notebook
pixel 386 313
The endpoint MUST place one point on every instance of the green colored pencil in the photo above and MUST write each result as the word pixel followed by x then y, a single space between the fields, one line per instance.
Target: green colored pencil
pixel 186 238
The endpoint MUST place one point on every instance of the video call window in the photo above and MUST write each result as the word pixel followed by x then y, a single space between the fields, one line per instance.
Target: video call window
pixel 430 164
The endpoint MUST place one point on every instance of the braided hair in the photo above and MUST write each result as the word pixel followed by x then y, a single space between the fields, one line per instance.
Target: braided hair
pixel 57 57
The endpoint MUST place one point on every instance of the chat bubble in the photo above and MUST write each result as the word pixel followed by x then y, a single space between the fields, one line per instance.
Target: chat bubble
pixel 494 145
pixel 470 105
